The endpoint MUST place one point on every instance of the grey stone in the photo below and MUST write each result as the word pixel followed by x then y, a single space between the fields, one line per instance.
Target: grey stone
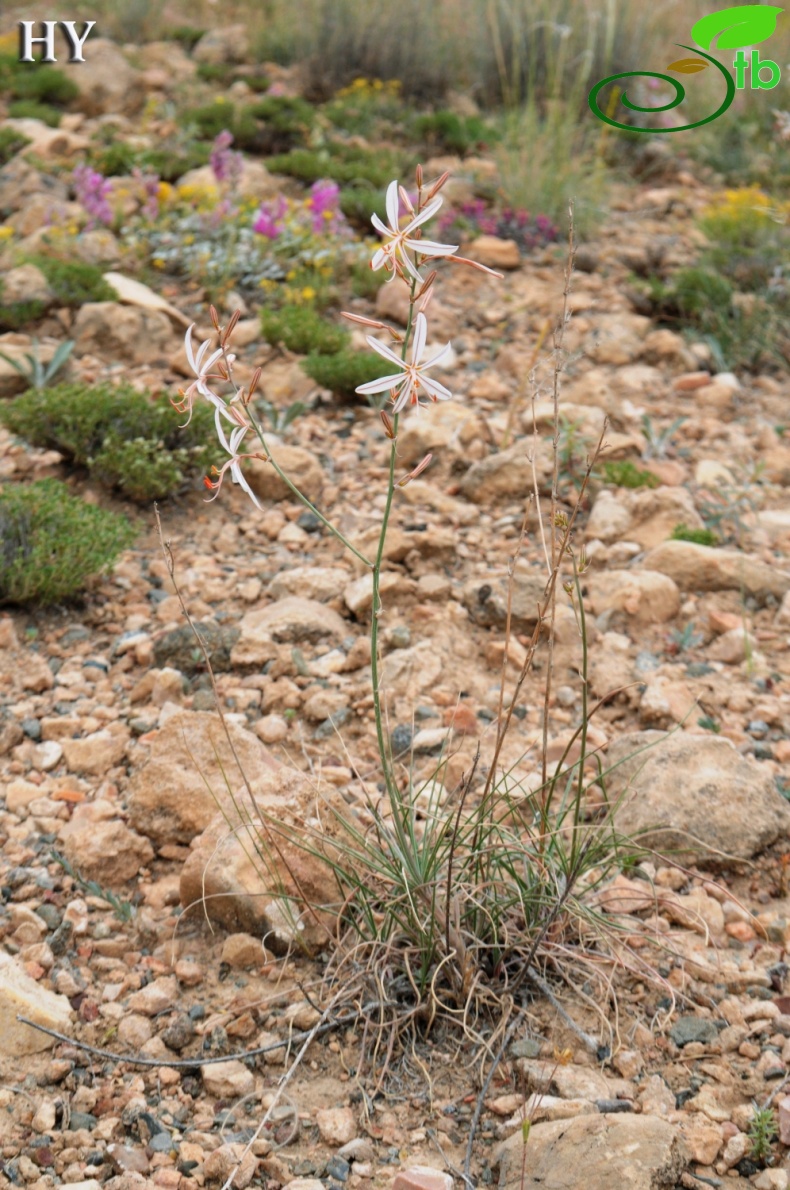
pixel 693 1028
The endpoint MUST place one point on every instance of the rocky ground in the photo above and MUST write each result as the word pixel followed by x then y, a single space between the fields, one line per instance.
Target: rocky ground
pixel 110 747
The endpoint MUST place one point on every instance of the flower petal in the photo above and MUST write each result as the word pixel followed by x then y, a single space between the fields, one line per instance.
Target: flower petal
pixel 381 385
pixel 420 337
pixel 436 390
pixel 238 477
pixel 386 351
pixel 430 248
pixel 425 214
pixel 379 258
pixel 393 205
pixel 438 358
pixel 188 348
pixel 380 227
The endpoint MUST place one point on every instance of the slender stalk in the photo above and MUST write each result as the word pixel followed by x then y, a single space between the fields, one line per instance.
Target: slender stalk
pixel 384 751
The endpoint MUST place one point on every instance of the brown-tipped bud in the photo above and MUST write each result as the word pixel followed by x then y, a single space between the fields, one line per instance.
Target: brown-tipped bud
pixel 389 428
pixel 229 329
pixel 426 301
pixel 256 376
pixel 379 326
pixel 223 371
pixel 418 470
pixel 406 200
pixel 426 285
pixel 418 173
pixel 214 316
pixel 434 190
pixel 473 264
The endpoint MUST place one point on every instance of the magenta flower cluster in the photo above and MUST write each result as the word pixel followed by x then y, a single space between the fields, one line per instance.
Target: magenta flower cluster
pixel 225 162
pixel 92 190
pixel 322 209
pixel 269 220
pixel 509 224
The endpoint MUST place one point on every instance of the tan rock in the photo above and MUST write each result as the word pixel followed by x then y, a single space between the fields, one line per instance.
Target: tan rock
pixel 154 998
pixel 172 797
pixel 704 1137
pixel 645 595
pixel 638 1152
pixel 242 951
pixel 422 1177
pixel 124 333
pixel 106 851
pixel 302 468
pixel 228 1159
pixel 260 878
pixel 107 82
pixel 702 568
pixel 321 583
pixel 693 795
pixel 21 995
pixel 337 1125
pixel 495 253
pixel 96 753
pixel 228 1080
pixel 26 283
pixel 507 473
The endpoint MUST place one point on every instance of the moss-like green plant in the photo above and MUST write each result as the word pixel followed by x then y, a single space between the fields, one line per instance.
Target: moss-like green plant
pixel 697 536
pixel 127 441
pixel 44 84
pixel 763 1131
pixel 30 109
pixel 346 165
pixel 11 143
pixel 343 371
pixel 211 119
pixel 17 315
pixel 51 542
pixel 301 330
pixel 624 474
pixel 281 122
pixel 359 204
pixel 456 134
pixel 73 282
pixel 186 35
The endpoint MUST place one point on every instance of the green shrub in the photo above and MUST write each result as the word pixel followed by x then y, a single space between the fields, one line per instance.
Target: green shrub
pixel 211 119
pixel 170 165
pixel 51 542
pixel 287 121
pixel 11 143
pixel 187 36
pixel 17 315
pixel 301 330
pixel 115 159
pixel 43 84
pixel 73 282
pixel 126 440
pixel 29 109
pixel 343 371
pixel 697 536
pixel 360 203
pixel 216 72
pixel 624 474
pixel 348 166
pixel 453 133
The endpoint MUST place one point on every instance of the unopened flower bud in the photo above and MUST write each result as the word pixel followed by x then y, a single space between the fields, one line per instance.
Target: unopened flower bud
pixel 214 316
pixel 418 173
pixel 389 428
pixel 256 376
pixel 426 285
pixel 434 190
pixel 418 470
pixel 229 329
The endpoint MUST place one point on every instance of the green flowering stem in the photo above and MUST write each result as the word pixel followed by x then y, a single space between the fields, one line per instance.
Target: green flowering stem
pixel 384 751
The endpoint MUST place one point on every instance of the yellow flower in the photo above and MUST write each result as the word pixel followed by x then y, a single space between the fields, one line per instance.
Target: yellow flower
pixel 158 263
pixel 165 192
pixel 6 233
pixel 308 293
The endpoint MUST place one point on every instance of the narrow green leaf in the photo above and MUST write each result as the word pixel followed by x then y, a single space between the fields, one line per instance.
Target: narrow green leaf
pixel 743 25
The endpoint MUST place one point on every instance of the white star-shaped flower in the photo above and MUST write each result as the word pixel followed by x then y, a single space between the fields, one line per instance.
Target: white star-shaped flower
pixel 394 250
pixel 410 381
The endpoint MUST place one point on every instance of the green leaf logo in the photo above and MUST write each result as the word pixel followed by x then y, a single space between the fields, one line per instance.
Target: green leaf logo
pixel 688 65
pixel 746 24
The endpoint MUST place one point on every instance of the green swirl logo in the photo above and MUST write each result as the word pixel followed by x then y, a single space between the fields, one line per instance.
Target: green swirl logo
pixel 731 28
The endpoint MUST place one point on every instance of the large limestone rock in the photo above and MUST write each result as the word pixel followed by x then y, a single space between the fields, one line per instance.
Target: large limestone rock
pixel 321 583
pixel 693 796
pixel 125 333
pixel 702 568
pixel 225 44
pixel 21 995
pixel 486 600
pixel 507 473
pixel 106 81
pixel 645 596
pixel 103 847
pixel 598 1152
pixel 289 620
pixel 259 871
pixel 302 468
pixel 646 517
pixel 174 795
